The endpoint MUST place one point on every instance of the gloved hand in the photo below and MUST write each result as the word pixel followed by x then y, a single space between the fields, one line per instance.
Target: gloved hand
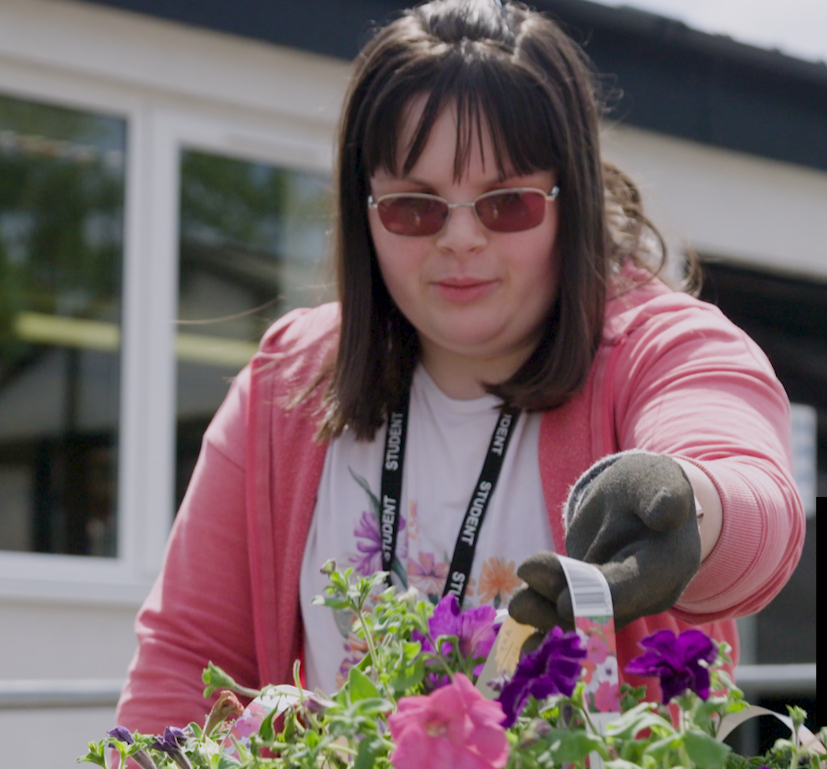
pixel 636 520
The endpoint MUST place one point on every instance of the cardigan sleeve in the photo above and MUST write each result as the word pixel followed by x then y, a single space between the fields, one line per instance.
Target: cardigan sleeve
pixel 686 382
pixel 199 609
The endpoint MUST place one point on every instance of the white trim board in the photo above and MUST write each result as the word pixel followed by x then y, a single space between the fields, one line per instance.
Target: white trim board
pixel 139 51
pixel 738 207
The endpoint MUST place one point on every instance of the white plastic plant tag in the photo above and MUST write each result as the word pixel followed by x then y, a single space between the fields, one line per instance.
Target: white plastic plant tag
pixel 732 720
pixel 594 621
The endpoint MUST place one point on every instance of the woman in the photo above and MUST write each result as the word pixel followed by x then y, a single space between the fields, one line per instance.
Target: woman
pixel 499 310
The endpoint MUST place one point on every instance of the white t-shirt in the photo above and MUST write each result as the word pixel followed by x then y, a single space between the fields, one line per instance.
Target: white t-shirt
pixel 447 443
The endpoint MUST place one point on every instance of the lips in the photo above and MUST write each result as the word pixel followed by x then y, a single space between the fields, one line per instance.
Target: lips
pixel 463 289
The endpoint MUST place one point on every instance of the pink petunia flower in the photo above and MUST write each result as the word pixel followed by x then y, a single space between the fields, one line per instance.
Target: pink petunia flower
pixel 607 698
pixel 453 728
pixel 597 649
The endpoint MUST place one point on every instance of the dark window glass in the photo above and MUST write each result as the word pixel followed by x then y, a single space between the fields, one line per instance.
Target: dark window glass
pixel 252 244
pixel 61 256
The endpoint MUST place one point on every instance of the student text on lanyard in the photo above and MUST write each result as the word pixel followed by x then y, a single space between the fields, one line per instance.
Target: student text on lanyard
pixel 391 493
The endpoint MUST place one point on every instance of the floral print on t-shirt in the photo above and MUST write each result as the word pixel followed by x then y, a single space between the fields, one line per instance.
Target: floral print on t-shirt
pixel 498 581
pixel 421 569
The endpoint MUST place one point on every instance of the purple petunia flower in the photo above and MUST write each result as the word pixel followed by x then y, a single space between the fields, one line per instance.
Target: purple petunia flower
pixel 121 733
pixel 141 757
pixel 476 630
pixel 676 662
pixel 170 743
pixel 553 668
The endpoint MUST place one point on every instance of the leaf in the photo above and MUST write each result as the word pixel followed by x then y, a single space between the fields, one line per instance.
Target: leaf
pixel 704 750
pixel 630 696
pixel 635 720
pixel 332 601
pixel 706 710
pixel 373 706
pixel 569 747
pixel 619 763
pixel 374 500
pixel 369 750
pixel 361 687
pixel 408 677
pixel 659 748
pixel 216 678
pixel 95 754
pixel 266 730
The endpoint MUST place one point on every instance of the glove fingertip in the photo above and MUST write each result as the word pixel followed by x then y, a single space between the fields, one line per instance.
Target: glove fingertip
pixel 565 609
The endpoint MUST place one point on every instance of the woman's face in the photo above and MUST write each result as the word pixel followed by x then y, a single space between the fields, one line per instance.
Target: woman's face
pixel 477 298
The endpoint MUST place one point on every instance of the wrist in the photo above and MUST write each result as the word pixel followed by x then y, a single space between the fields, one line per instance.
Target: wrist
pixel 708 505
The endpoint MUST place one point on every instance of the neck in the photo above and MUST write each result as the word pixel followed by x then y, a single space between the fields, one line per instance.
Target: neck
pixel 464 377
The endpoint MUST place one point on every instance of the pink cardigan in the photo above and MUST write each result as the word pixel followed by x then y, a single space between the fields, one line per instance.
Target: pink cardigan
pixel 672 376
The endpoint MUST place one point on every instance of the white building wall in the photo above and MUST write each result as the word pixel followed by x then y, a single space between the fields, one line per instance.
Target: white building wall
pixel 726 204
pixel 59 620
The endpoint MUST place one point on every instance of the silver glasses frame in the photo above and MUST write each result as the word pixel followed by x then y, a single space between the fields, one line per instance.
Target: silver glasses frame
pixel 374 202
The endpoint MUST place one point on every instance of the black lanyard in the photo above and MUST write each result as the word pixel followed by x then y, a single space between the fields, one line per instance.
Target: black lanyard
pixel 391 494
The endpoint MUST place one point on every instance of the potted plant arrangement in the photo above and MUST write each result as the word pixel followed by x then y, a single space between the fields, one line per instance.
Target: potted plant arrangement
pixel 413 702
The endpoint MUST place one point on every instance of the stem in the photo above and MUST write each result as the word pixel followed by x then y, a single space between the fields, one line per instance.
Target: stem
pixel 371 647
pixel 245 692
pixel 341 749
pixel 438 652
pixel 589 722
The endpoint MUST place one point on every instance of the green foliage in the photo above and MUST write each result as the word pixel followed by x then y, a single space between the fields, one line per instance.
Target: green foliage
pixel 704 750
pixel 350 729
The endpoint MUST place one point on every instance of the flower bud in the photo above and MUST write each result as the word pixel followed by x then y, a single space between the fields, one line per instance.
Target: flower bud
pixel 226 706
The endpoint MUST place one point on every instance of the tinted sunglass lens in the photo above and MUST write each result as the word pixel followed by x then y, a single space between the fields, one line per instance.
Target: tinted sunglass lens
pixel 512 211
pixel 412 216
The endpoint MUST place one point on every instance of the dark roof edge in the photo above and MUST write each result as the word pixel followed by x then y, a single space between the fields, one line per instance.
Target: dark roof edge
pixel 668 30
pixel 671 79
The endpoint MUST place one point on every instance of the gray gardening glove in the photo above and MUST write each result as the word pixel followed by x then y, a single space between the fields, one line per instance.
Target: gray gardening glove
pixel 633 515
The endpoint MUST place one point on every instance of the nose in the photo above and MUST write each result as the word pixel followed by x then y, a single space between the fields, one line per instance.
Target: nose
pixel 463 232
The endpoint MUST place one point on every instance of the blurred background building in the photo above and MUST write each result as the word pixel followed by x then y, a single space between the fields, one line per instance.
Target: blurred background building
pixel 165 173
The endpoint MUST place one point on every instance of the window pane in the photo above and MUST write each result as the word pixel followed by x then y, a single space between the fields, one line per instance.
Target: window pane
pixel 252 241
pixel 61 255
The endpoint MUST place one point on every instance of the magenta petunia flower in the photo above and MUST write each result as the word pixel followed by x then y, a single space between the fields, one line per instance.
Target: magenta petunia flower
pixel 553 668
pixel 676 661
pixel 476 629
pixel 453 728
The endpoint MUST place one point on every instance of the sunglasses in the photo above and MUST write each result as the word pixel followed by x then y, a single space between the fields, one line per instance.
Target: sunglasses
pixel 417 214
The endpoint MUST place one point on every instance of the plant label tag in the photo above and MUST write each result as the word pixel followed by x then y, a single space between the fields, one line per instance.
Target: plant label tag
pixel 504 655
pixel 594 621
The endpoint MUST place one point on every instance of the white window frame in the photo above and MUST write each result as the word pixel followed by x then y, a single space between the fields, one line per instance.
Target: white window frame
pixel 175 130
pixel 195 90
pixel 63 576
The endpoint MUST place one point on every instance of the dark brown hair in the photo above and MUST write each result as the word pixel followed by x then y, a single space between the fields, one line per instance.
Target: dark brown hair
pixel 519 75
